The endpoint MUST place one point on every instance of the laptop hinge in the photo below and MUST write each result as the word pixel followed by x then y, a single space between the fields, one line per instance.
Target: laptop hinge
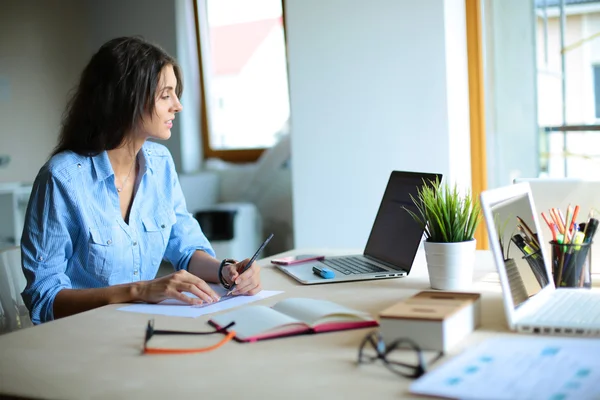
pixel 387 264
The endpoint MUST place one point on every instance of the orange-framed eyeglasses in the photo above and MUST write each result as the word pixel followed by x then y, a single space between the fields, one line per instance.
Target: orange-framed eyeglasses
pixel 150 331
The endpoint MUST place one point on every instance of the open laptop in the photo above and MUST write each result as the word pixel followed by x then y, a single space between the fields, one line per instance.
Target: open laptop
pixel 560 193
pixel 392 244
pixel 531 301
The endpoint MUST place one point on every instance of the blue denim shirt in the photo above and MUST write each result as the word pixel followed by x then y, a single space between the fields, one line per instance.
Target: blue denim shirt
pixel 75 237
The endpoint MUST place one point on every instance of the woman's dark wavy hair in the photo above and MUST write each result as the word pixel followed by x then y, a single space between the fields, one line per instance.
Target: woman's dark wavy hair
pixel 117 88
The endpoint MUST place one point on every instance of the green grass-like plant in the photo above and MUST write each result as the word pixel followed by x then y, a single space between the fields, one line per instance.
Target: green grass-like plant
pixel 501 230
pixel 446 215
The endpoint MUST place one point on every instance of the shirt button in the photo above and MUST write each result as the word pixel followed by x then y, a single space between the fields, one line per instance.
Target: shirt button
pixel 40 258
pixel 163 226
pixel 78 165
pixel 135 272
pixel 135 243
pixel 108 241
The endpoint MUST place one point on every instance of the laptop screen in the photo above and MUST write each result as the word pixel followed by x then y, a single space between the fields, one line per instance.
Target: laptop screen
pixel 395 236
pixel 523 261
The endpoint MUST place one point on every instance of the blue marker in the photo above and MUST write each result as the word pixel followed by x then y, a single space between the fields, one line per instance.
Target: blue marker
pixel 323 272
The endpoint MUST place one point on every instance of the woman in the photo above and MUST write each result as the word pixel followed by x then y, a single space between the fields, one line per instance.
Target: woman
pixel 107 207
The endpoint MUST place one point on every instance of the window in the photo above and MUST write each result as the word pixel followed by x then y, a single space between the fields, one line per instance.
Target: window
pixel 243 65
pixel 568 65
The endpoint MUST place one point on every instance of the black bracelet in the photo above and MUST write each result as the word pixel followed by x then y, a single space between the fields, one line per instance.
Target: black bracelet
pixel 226 261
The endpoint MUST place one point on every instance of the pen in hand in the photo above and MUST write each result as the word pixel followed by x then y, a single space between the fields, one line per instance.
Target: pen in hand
pixel 247 266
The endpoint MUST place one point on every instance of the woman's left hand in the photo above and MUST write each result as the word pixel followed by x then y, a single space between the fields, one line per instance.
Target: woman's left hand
pixel 248 282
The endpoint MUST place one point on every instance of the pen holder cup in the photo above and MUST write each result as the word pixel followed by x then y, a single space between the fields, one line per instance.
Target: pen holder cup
pixel 571 265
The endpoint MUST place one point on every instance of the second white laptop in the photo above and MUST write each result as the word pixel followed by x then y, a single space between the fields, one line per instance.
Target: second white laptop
pixel 532 302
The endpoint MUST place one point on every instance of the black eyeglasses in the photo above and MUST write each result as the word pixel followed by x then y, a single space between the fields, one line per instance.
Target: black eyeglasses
pixel 150 331
pixel 402 356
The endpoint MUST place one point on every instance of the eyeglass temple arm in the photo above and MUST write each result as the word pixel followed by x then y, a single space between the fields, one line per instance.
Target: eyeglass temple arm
pixel 219 330
pixel 150 332
pixel 230 335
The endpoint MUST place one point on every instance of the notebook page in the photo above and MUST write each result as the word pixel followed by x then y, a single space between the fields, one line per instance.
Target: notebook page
pixel 255 320
pixel 315 312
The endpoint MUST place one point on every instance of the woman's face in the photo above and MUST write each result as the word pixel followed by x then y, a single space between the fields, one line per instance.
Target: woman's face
pixel 166 105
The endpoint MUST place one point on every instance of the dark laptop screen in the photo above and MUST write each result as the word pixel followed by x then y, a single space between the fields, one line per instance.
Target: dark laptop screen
pixel 395 235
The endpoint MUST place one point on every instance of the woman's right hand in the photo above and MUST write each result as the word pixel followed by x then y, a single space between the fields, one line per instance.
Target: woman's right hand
pixel 171 286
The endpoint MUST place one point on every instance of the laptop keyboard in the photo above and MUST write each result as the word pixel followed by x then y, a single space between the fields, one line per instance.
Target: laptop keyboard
pixel 352 265
pixel 570 307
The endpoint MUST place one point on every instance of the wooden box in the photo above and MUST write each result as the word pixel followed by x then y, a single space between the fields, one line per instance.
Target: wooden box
pixel 434 320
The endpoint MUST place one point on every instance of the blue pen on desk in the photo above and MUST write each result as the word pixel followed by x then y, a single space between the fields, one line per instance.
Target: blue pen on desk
pixel 262 246
pixel 323 272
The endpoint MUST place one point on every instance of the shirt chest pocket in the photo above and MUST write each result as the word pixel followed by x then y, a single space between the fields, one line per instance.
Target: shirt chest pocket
pixel 101 252
pixel 157 229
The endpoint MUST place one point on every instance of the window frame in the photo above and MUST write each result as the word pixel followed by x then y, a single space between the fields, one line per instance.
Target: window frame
pixel 474 36
pixel 233 155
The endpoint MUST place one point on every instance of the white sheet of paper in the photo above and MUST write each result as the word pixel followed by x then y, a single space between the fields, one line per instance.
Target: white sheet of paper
pixel 177 308
pixel 519 367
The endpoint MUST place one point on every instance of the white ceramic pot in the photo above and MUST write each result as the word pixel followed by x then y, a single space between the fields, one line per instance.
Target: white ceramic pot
pixel 450 265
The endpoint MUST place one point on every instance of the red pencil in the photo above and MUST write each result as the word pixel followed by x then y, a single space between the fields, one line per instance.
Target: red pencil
pixel 547 221
pixel 574 218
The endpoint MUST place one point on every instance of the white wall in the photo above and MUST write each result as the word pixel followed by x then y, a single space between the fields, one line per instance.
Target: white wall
pixel 510 86
pixel 155 20
pixel 369 94
pixel 457 92
pixel 40 59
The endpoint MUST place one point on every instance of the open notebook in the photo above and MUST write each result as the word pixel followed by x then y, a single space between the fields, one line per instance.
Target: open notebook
pixel 294 316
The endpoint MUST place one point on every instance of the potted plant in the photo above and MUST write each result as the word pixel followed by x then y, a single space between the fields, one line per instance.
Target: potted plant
pixel 449 219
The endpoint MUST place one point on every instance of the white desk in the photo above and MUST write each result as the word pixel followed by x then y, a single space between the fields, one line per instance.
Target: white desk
pixel 96 354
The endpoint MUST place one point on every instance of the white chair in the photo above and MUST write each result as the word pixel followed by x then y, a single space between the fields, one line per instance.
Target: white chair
pixel 14 313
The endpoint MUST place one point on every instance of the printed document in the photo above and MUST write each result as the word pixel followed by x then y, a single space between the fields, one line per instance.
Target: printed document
pixel 519 367
pixel 177 308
